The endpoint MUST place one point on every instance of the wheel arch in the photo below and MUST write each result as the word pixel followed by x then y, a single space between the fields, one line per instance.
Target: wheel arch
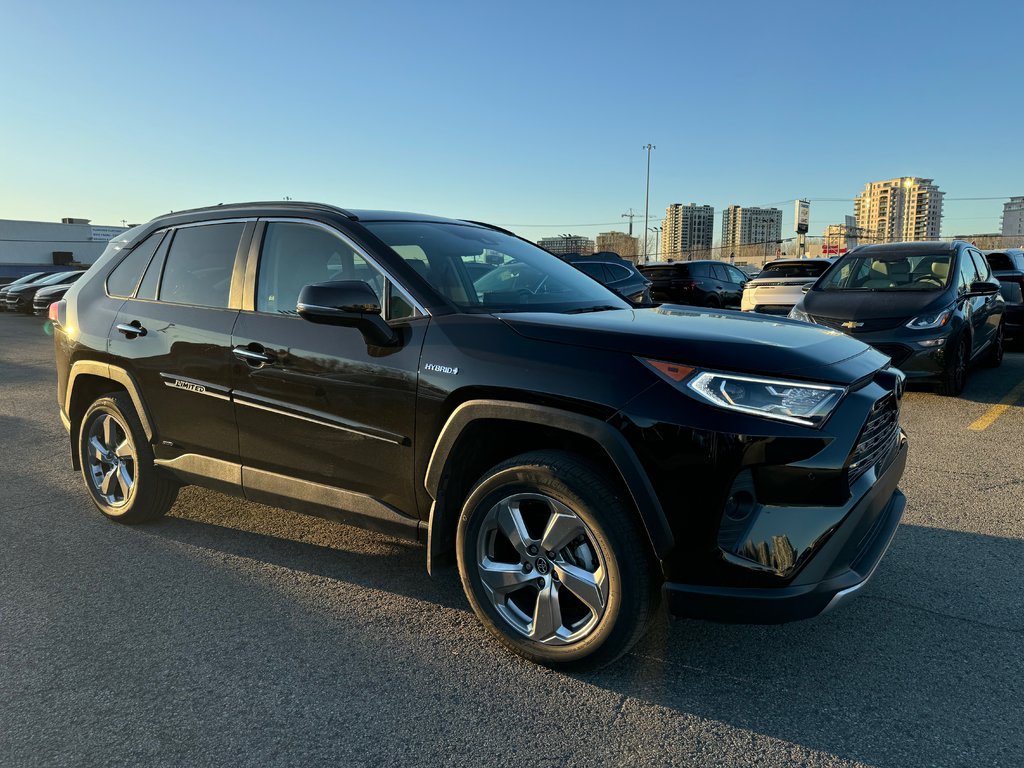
pixel 462 453
pixel 89 380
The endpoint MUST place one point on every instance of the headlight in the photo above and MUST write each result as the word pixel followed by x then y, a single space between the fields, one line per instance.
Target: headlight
pixel 795 402
pixel 798 314
pixel 934 320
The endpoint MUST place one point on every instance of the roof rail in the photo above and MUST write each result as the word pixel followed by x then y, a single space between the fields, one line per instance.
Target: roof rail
pixel 265 203
pixel 495 227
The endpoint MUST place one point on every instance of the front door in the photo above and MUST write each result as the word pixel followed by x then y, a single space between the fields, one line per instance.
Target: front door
pixel 316 402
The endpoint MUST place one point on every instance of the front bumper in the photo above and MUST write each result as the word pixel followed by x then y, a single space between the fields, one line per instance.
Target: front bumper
pixel 840 567
pixel 918 362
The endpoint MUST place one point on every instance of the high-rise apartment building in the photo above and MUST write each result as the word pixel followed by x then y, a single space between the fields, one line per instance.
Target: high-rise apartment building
pixel 686 228
pixel 750 226
pixel 1013 217
pixel 563 244
pixel 620 243
pixel 899 210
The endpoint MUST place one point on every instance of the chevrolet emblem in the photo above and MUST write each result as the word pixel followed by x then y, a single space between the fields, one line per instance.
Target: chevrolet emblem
pixel 852 324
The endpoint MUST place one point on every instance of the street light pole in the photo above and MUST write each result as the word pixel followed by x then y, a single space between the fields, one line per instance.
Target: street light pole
pixel 647 197
pixel 657 238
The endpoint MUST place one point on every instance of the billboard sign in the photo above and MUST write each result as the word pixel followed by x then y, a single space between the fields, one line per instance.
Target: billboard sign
pixel 803 216
pixel 105 233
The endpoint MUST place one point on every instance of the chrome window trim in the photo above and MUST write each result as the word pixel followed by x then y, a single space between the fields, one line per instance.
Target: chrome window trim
pixel 234 220
pixel 345 239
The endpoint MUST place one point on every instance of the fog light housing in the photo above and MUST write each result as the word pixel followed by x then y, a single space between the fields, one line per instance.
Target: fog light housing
pixel 931 343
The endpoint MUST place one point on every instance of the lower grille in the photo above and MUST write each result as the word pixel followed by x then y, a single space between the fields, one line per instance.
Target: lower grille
pixel 773 309
pixel 897 352
pixel 877 439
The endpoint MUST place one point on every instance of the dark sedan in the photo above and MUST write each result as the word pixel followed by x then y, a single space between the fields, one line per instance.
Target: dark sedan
pixel 1008 268
pixel 25 280
pixel 933 307
pixel 20 299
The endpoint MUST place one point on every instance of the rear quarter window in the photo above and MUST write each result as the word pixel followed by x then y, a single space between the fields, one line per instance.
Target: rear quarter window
pixel 125 277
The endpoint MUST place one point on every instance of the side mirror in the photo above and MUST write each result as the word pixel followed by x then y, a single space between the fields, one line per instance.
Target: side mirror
pixel 349 303
pixel 806 288
pixel 983 288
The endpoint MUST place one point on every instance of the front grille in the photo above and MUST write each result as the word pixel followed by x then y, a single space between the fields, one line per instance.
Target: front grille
pixel 773 309
pixel 897 352
pixel 859 326
pixel 878 438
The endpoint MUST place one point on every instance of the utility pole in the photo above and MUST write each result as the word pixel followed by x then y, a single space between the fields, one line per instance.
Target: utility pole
pixel 630 215
pixel 657 237
pixel 647 197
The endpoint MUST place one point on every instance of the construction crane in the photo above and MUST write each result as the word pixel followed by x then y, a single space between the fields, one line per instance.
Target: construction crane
pixel 630 215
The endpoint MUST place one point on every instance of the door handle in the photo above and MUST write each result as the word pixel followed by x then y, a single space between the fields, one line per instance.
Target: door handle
pixel 252 356
pixel 132 329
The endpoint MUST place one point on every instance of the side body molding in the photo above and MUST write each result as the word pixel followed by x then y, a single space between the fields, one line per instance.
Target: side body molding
pixel 607 437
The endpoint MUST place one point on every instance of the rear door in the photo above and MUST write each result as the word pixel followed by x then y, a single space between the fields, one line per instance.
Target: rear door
pixel 991 306
pixel 315 402
pixel 173 333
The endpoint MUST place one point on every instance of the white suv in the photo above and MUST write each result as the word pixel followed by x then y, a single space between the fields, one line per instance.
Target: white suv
pixel 779 286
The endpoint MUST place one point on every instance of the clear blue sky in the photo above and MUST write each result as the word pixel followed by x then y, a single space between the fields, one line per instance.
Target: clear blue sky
pixel 525 113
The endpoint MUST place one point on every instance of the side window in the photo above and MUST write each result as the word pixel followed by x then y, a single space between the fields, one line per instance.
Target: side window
pixel 981 266
pixel 617 271
pixel 719 273
pixel 295 255
pixel 125 277
pixel 596 271
pixel 967 273
pixel 735 275
pixel 198 267
pixel 700 270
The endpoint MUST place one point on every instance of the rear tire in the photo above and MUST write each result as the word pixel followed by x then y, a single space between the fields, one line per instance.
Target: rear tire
pixel 712 302
pixel 570 578
pixel 117 463
pixel 954 376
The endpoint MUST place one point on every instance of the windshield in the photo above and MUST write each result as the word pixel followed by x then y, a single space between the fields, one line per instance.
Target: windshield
pixel 888 272
pixel 481 270
pixel 26 279
pixel 808 269
pixel 60 277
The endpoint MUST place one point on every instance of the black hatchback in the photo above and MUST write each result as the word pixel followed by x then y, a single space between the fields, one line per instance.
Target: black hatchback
pixel 1008 268
pixel 933 307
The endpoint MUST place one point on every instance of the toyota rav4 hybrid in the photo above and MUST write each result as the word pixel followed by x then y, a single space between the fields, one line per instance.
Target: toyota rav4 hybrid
pixel 579 458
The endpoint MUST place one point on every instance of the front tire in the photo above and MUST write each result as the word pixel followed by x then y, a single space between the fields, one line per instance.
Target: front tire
pixel 954 376
pixel 553 562
pixel 117 463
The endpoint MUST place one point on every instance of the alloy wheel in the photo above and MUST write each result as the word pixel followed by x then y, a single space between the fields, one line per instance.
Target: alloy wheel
pixel 542 569
pixel 111 460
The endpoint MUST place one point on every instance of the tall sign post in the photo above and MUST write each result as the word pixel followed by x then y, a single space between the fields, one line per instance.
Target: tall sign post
pixel 803 218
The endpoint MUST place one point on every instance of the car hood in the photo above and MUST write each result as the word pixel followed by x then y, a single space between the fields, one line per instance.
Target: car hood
pixel 873 305
pixel 718 339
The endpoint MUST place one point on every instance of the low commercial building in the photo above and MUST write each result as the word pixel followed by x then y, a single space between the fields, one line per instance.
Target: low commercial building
pixel 32 246
pixel 619 242
pixel 1013 218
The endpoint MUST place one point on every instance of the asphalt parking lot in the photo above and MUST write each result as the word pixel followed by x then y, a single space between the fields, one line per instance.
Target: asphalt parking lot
pixel 235 634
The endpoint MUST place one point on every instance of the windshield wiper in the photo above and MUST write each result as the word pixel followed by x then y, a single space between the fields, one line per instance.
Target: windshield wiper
pixel 599 308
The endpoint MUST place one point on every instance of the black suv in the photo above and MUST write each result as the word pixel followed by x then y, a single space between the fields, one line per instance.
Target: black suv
pixel 704 283
pixel 616 273
pixel 933 307
pixel 578 456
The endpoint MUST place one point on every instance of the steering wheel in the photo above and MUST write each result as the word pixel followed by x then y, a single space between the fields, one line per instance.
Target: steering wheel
pixel 928 278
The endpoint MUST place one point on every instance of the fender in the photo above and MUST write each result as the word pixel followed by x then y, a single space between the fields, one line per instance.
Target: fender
pixel 607 437
pixel 103 371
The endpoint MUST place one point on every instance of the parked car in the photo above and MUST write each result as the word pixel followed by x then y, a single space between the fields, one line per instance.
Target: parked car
pixel 750 270
pixel 25 280
pixel 578 456
pixel 704 283
pixel 1008 268
pixel 45 296
pixel 933 307
pixel 779 286
pixel 616 273
pixel 19 299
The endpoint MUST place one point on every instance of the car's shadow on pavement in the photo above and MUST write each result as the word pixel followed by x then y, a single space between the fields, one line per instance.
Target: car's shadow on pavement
pixel 926 659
